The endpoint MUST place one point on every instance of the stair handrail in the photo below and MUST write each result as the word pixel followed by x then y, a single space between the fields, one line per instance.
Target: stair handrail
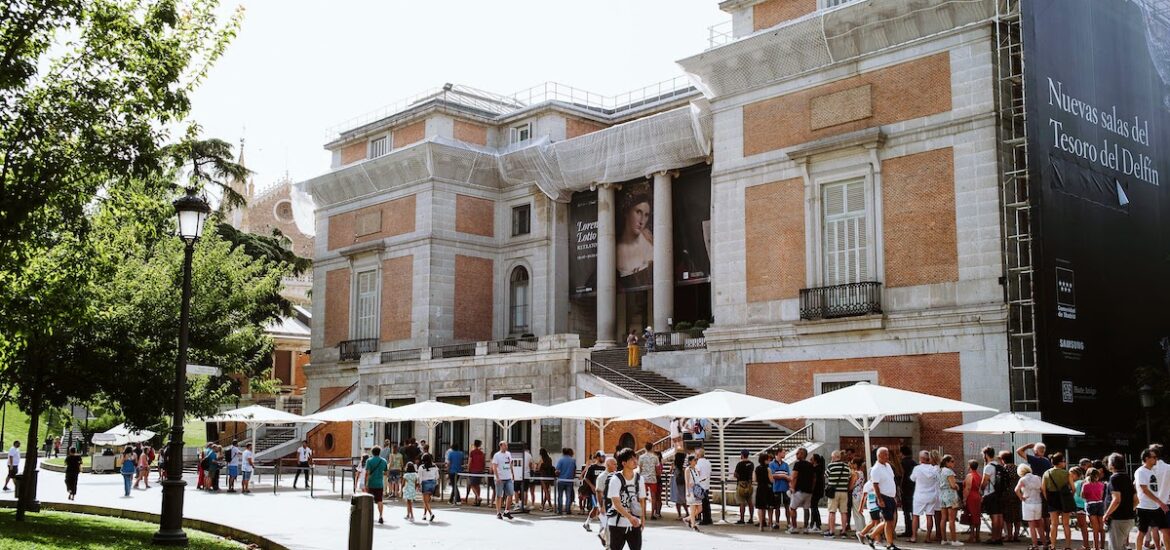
pixel 336 398
pixel 804 432
pixel 593 363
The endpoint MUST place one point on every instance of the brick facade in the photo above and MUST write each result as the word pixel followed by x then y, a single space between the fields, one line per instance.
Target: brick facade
pixel 411 133
pixel 397 298
pixel 936 374
pixel 774 238
pixel 575 127
pixel 770 13
pixel 380 221
pixel 918 209
pixel 336 306
pixel 900 92
pixel 339 433
pixel 353 152
pixel 473 298
pixel 273 210
pixel 469 132
pixel 475 216
pixel 643 431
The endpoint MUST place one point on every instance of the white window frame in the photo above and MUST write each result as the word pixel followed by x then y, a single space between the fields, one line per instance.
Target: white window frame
pixel 378 147
pixel 512 328
pixel 864 168
pixel 864 213
pixel 520 133
pixel 858 376
pixel 356 323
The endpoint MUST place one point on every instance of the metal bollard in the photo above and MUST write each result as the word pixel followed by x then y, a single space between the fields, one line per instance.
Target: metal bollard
pixel 361 522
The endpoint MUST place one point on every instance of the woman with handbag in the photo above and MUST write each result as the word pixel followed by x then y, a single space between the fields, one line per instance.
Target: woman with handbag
pixel 1061 504
pixel 695 493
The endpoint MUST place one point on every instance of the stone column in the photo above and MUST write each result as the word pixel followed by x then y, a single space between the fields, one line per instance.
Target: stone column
pixel 606 267
pixel 663 251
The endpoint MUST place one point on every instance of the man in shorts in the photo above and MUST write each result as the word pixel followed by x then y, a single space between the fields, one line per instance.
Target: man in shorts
pixel 804 478
pixel 476 467
pixel 781 475
pixel 376 477
pixel 505 488
pixel 248 462
pixel 1151 510
pixel 234 461
pixel 13 463
pixel 886 492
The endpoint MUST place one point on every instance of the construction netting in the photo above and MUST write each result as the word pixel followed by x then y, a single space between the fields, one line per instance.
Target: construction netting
pixel 673 139
pixel 826 37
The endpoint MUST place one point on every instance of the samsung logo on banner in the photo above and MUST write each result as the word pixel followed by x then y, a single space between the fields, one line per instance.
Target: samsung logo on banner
pixel 1075 345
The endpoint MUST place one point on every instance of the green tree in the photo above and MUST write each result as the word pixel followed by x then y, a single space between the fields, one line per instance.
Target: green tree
pixel 88 89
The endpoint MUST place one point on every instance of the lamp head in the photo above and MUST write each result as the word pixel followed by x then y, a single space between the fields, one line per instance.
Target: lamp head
pixel 192 211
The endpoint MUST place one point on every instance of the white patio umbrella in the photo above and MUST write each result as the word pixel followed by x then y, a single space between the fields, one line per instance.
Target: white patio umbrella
pixel 430 413
pixel 1012 423
pixel 865 405
pixel 121 435
pixel 358 412
pixel 721 407
pixel 258 415
pixel 599 410
pixel 505 412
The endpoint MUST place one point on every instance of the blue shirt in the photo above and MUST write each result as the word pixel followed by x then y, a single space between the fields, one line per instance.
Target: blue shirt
pixel 779 485
pixel 1039 464
pixel 454 462
pixel 567 468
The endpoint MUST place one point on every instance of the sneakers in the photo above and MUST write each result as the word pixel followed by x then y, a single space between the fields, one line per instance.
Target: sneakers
pixel 791 530
pixel 956 543
pixel 586 527
pixel 499 516
pixel 827 534
pixel 380 520
pixel 860 538
pixel 508 515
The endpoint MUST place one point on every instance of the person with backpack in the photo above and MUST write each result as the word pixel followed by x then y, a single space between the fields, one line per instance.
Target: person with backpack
pixel 232 456
pixel 625 503
pixel 993 487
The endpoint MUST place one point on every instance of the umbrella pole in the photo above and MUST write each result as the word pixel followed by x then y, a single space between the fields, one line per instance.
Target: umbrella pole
pixel 601 432
pixel 722 424
pixel 868 451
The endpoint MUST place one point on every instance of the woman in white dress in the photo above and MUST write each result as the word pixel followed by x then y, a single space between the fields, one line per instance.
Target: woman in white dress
pixel 694 489
pixel 926 497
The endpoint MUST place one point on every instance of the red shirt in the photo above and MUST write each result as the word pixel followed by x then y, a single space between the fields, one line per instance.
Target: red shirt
pixel 476 465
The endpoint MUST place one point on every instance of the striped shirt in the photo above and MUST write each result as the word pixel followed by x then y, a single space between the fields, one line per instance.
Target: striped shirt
pixel 837 476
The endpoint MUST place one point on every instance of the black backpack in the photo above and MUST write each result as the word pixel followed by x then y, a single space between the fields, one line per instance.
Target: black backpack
pixel 610 511
pixel 1000 485
pixel 227 455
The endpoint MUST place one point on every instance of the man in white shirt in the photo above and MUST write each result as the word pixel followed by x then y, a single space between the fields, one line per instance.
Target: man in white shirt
pixel 992 503
pixel 304 455
pixel 886 490
pixel 502 471
pixel 234 461
pixel 1151 510
pixel 13 463
pixel 626 494
pixel 248 466
pixel 703 466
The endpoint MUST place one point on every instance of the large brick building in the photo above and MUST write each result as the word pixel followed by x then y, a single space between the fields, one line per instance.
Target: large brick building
pixel 825 192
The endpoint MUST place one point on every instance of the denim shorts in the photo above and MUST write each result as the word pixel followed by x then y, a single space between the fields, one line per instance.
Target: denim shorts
pixel 428 487
pixel 504 488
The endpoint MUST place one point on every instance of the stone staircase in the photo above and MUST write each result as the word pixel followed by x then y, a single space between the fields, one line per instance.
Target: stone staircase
pixel 274 437
pixel 611 366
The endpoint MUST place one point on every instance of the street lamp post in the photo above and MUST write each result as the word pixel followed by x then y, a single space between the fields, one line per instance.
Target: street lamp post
pixel 192 211
pixel 1146 393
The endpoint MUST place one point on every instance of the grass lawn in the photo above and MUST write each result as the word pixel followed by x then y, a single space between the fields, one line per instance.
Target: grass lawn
pixel 45 530
pixel 16 427
pixel 61 461
pixel 194 434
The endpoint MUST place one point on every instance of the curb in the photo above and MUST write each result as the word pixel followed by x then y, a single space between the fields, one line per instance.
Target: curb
pixel 226 531
pixel 59 469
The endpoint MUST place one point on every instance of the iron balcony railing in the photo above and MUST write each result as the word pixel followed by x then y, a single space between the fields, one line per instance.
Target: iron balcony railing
pixel 453 350
pixel 512 345
pixel 847 300
pixel 352 350
pixel 401 355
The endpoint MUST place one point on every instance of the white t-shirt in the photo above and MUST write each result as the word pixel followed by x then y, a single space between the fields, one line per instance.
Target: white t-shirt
pixel 1152 479
pixel 503 462
pixel 428 474
pixel 303 453
pixel 237 459
pixel 14 457
pixel 704 468
pixel 925 478
pixel 882 475
pixel 1162 472
pixel 631 498
pixel 989 475
pixel 675 431
pixel 246 460
pixel 1031 485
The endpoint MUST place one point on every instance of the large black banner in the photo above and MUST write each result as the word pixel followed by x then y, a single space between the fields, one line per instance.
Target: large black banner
pixel 583 243
pixel 1097 85
pixel 692 226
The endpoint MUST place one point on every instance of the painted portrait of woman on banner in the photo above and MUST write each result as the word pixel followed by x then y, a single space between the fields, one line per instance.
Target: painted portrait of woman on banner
pixel 635 237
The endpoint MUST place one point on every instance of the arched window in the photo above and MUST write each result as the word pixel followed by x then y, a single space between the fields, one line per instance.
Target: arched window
pixel 518 294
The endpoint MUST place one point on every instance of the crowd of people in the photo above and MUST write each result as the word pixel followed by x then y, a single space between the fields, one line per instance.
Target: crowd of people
pixel 213 459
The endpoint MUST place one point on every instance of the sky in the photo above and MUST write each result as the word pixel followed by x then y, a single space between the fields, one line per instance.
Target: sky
pixel 299 67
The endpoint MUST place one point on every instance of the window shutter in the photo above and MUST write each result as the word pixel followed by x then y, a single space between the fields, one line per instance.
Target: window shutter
pixel 367 304
pixel 846 239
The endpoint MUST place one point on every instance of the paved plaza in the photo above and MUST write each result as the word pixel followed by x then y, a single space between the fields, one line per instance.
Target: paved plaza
pixel 296 520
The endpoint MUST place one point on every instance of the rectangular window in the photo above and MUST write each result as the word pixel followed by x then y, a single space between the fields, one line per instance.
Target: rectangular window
pixel 282 370
pixel 846 233
pixel 399 432
pixel 377 147
pixel 367 305
pixel 520 133
pixel 521 220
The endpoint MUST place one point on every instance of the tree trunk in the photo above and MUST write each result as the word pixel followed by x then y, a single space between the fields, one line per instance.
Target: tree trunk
pixel 28 485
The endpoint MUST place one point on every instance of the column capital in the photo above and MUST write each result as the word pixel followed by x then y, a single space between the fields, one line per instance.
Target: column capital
pixel 672 174
pixel 605 185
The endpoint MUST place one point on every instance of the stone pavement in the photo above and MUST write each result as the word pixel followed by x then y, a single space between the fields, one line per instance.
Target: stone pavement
pixel 295 520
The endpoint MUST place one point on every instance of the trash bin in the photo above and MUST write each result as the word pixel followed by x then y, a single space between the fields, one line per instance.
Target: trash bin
pixel 361 522
pixel 18 479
